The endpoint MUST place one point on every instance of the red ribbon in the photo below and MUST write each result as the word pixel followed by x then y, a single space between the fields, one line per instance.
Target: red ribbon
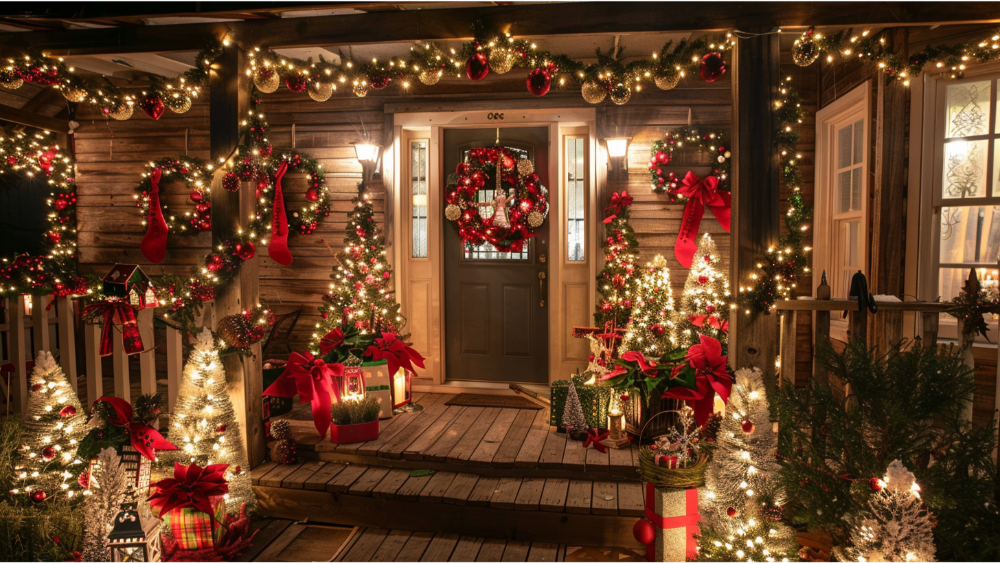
pixel 710 378
pixel 154 244
pixel 107 310
pixel 619 201
pixel 395 352
pixel 701 193
pixel 144 438
pixel 333 339
pixel 192 486
pixel 312 380
pixel 712 320
pixel 594 438
pixel 649 367
pixel 688 521
pixel 278 248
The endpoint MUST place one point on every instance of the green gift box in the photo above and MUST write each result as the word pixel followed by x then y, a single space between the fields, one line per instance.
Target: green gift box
pixel 594 399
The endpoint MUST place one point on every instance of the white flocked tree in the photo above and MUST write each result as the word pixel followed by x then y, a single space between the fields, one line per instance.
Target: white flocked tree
pixel 573 412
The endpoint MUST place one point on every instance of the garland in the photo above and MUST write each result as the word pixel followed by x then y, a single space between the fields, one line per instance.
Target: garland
pixel 528 199
pixel 661 153
pixel 31 154
pixel 178 95
pixel 493 51
pixel 871 47
pixel 778 271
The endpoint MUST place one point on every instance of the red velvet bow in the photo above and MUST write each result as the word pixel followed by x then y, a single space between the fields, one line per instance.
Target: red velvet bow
pixel 619 201
pixel 594 438
pixel 144 438
pixel 395 352
pixel 701 193
pixel 192 486
pixel 131 340
pixel 712 320
pixel 710 378
pixel 312 380
pixel 333 339
pixel 649 367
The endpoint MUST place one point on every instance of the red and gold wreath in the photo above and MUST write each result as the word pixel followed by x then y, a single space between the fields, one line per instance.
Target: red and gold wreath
pixel 197 179
pixel 521 197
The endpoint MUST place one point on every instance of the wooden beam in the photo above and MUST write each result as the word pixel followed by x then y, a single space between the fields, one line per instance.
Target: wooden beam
pixel 229 100
pixel 530 20
pixel 32 119
pixel 755 214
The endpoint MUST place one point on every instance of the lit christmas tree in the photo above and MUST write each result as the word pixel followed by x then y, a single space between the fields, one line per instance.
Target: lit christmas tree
pixel 573 411
pixel 651 329
pixel 361 296
pixel 101 504
pixel 615 282
pixel 53 426
pixel 704 307
pixel 899 528
pixel 742 502
pixel 204 425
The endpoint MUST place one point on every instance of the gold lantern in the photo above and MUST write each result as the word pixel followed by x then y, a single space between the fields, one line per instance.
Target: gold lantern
pixel 402 394
pixel 135 535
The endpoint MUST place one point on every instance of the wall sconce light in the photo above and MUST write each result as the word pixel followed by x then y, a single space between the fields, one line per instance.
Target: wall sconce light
pixel 617 157
pixel 367 155
pixel 617 146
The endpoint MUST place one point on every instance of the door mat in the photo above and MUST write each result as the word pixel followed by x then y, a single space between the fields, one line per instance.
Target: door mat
pixel 500 401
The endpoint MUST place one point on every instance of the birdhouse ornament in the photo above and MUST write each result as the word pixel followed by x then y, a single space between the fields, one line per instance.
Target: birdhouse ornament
pixel 126 289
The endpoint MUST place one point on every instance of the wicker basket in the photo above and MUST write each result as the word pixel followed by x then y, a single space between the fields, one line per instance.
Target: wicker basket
pixel 680 478
pixel 639 414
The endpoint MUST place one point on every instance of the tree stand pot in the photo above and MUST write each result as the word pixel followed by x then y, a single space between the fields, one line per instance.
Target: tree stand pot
pixel 353 433
pixel 578 435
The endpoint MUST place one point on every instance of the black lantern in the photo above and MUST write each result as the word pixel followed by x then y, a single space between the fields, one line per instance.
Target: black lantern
pixel 135 535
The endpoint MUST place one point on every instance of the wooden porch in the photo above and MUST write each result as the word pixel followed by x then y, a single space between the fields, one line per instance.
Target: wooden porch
pixel 494 473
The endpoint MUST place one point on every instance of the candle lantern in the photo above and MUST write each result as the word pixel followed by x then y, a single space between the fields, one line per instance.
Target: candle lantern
pixel 135 535
pixel 402 394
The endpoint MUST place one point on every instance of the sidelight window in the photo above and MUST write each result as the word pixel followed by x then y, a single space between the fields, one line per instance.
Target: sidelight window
pixel 576 175
pixel 418 189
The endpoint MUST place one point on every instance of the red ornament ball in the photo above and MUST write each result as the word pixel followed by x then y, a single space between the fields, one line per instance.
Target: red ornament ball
pixel 657 329
pixel 48 453
pixel 539 81
pixel 152 106
pixel 36 387
pixel 237 470
pixel 296 83
pixel 83 479
pixel 60 204
pixel 196 196
pixel 54 237
pixel 231 182
pixel 643 531
pixel 702 279
pixel 748 426
pixel 246 250
pixel 477 67
pixel 67 411
pixel 312 194
pixel 220 429
pixel 713 66
pixel 731 512
pixel 215 263
pixel 38 496
pixel 875 484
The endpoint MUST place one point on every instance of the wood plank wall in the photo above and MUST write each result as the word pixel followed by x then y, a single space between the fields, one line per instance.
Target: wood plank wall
pixel 111 156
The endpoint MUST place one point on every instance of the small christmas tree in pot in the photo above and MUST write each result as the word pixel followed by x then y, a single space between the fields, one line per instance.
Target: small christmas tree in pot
pixel 355 420
pixel 573 418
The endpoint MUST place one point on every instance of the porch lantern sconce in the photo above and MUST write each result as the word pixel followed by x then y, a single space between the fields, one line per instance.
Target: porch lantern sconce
pixel 617 157
pixel 367 155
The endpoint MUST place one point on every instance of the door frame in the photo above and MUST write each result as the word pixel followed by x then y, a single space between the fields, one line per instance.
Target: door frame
pixel 419 282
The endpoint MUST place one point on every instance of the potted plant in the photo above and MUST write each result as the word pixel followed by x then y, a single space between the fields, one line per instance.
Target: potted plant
pixel 355 420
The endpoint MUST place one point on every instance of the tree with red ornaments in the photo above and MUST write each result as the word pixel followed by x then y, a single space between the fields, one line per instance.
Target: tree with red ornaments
pixel 617 281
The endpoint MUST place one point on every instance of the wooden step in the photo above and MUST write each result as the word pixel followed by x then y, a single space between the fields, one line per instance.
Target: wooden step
pixel 558 510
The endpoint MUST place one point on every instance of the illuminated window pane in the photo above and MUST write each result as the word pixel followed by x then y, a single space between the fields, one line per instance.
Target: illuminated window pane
pixel 576 175
pixel 970 235
pixel 968 109
pixel 418 187
pixel 964 169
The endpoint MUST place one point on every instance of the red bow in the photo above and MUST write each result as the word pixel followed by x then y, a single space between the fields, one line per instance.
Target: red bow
pixel 710 378
pixel 395 352
pixel 145 439
pixel 312 380
pixel 192 486
pixel 619 201
pixel 333 339
pixel 701 193
pixel 131 340
pixel 594 438
pixel 649 368
pixel 712 320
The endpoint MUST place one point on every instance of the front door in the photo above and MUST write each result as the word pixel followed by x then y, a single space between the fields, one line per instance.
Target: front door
pixel 496 304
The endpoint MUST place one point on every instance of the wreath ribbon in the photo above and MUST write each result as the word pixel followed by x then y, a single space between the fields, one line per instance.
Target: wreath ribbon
pixel 701 193
pixel 154 244
pixel 278 248
pixel 108 310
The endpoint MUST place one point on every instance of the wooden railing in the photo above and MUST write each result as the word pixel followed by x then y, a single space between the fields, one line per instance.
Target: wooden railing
pixel 54 328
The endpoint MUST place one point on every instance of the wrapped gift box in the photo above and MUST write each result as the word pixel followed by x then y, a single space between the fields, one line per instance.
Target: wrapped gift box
pixel 194 529
pixel 594 399
pixel 384 399
pixel 674 514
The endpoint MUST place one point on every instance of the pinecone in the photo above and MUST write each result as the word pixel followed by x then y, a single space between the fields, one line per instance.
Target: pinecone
pixel 711 428
pixel 284 452
pixel 281 430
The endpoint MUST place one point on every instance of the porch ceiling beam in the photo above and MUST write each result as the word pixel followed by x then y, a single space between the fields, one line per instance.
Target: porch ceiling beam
pixel 528 19
pixel 32 119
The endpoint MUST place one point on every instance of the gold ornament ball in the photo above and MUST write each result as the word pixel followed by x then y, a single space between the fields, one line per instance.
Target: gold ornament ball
pixel 501 60
pixel 430 77
pixel 525 167
pixel 13 83
pixel 620 94
pixel 667 82
pixel 320 91
pixel 267 84
pixel 361 89
pixel 75 95
pixel 179 103
pixel 452 212
pixel 593 92
pixel 535 219
pixel 122 112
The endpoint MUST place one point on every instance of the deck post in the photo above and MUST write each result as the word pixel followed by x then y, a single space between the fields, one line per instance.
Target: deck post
pixel 756 218
pixel 230 91
pixel 66 319
pixel 95 371
pixel 18 353
pixel 40 325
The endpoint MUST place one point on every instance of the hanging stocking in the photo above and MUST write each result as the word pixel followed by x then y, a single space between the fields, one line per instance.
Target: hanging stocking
pixel 278 249
pixel 154 244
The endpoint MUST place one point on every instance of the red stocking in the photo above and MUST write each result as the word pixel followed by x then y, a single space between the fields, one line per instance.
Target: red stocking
pixel 278 249
pixel 154 244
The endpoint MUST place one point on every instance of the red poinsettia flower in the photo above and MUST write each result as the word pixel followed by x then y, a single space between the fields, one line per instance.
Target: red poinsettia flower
pixel 618 370
pixel 649 367
pixel 711 377
pixel 333 339
pixel 395 352
pixel 711 320
pixel 192 486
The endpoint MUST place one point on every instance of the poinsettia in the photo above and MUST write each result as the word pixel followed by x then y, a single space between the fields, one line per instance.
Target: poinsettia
pixel 633 370
pixel 395 352
pixel 706 364
pixel 192 486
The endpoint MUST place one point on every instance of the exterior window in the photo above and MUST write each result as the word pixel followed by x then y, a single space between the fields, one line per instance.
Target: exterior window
pixel 576 175
pixel 418 188
pixel 968 232
pixel 849 161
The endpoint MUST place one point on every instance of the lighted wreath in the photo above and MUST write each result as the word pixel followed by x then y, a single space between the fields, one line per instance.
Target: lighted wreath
pixel 520 204
pixel 661 153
